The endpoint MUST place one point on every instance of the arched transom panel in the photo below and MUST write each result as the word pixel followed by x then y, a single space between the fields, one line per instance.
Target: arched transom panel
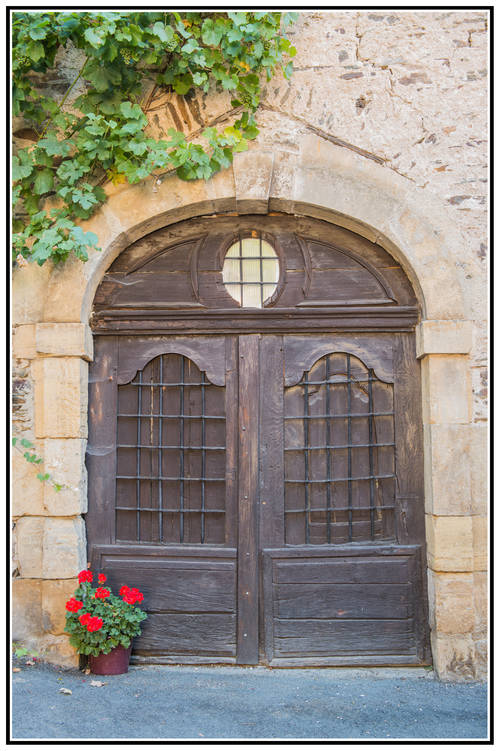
pixel 199 269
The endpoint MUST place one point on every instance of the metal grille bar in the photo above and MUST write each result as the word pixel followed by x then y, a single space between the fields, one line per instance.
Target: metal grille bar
pixel 349 478
pixel 138 464
pixel 332 417
pixel 176 417
pixel 176 446
pixel 361 496
pixel 349 441
pixel 339 446
pixel 165 383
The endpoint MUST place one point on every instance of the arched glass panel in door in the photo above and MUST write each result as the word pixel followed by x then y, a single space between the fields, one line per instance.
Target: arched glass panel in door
pixel 339 455
pixel 171 455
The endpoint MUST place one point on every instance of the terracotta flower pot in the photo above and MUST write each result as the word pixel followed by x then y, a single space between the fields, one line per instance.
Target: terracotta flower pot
pixel 114 663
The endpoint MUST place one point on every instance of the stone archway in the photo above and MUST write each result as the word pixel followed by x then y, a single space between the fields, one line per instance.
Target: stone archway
pixel 324 181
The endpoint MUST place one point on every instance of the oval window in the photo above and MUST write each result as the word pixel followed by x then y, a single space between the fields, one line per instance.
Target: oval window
pixel 251 271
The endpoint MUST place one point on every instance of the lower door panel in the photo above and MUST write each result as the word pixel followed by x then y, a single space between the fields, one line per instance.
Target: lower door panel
pixel 189 595
pixel 344 606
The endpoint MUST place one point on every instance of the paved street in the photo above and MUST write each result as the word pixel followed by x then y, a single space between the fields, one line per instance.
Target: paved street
pixel 202 703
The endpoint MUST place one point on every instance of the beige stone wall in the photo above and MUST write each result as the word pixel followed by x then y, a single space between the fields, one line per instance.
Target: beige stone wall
pixel 382 129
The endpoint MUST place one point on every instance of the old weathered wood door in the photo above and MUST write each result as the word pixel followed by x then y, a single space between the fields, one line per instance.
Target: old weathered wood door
pixel 255 461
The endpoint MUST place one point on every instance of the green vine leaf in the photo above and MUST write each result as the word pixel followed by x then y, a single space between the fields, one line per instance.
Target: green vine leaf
pixel 103 136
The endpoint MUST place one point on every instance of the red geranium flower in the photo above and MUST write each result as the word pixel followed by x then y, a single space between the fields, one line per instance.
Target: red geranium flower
pixel 94 624
pixel 124 590
pixel 101 578
pixel 85 576
pixel 131 596
pixel 84 619
pixel 139 597
pixel 101 593
pixel 73 605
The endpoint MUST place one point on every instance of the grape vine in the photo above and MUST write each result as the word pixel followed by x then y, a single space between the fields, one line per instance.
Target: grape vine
pixel 58 179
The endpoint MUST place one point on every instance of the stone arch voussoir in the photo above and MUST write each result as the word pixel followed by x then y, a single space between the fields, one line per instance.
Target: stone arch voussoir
pixel 322 180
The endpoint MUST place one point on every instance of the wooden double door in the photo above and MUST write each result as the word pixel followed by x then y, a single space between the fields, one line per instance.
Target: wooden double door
pixel 264 491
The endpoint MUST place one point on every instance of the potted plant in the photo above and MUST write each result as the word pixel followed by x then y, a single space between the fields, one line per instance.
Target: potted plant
pixel 102 625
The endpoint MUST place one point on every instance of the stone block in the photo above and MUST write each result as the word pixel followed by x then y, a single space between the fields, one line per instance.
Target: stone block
pixel 447 470
pixel 449 543
pixel 29 292
pixel 27 490
pixel 481 660
pixel 253 172
pixel 55 594
pixel 220 189
pixel 453 657
pixel 64 340
pixel 446 390
pixel 64 548
pixel 148 206
pixel 451 603
pixel 58 651
pixel 26 610
pixel 480 542
pixel 23 341
pixel 481 591
pixel 478 457
pixel 64 460
pixel 60 397
pixel 480 394
pixel 29 544
pixel 66 291
pixel 444 337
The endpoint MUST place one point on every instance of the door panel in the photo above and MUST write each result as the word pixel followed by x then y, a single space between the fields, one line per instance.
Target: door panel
pixel 338 587
pixel 163 448
pixel 190 596
pixel 343 605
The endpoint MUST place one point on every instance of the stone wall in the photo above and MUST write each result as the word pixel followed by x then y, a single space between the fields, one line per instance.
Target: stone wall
pixel 382 128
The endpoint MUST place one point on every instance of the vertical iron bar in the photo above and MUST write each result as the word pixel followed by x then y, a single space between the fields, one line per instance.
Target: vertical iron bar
pixel 306 454
pixel 261 274
pixel 138 460
pixel 203 457
pixel 328 454
pixel 152 379
pixel 181 473
pixel 349 450
pixel 241 272
pixel 370 451
pixel 160 456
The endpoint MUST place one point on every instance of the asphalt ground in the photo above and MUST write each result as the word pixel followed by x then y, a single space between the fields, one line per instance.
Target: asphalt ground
pixel 208 703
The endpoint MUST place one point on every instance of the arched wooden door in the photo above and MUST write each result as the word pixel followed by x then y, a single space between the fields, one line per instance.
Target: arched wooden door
pixel 255 459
